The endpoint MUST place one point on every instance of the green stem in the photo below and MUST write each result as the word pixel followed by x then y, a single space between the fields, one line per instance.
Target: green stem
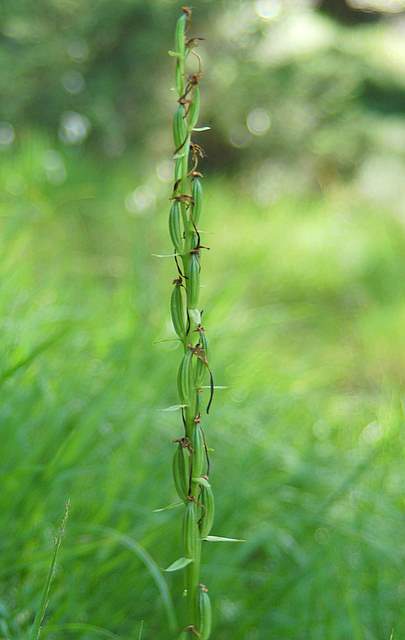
pixel 192 461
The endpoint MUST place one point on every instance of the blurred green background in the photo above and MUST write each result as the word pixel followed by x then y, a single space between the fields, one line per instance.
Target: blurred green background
pixel 304 305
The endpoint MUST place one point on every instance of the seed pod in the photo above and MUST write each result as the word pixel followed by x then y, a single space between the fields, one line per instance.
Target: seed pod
pixel 205 613
pixel 175 227
pixel 185 378
pixel 179 37
pixel 181 469
pixel 200 371
pixel 193 281
pixel 179 79
pixel 177 311
pixel 191 534
pixel 179 127
pixel 194 110
pixel 178 167
pixel 202 363
pixel 208 510
pixel 197 193
pixel 198 453
pixel 203 341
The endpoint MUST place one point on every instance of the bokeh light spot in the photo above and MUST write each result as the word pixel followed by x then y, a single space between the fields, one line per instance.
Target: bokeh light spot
pixel 268 9
pixel 141 200
pixel 73 82
pixel 7 134
pixel 54 167
pixel 258 121
pixel 74 127
pixel 164 171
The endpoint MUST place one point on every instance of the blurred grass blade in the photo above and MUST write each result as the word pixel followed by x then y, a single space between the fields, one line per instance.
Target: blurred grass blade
pixel 39 618
pixel 140 634
pixel 43 346
pixel 82 626
pixel 150 564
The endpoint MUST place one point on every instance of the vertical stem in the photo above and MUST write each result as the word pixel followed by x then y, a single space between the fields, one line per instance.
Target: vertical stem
pixel 190 465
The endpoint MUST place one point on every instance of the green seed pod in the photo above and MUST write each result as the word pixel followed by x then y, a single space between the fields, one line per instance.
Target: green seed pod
pixel 179 36
pixel 178 168
pixel 179 127
pixel 175 227
pixel 193 281
pixel 202 358
pixel 177 310
pixel 208 510
pixel 191 534
pixel 179 79
pixel 200 367
pixel 205 613
pixel 200 371
pixel 198 452
pixel 194 110
pixel 185 378
pixel 197 194
pixel 181 469
pixel 203 341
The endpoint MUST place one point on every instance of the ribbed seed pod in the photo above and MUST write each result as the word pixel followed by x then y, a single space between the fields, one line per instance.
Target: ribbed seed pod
pixel 182 469
pixel 202 358
pixel 175 229
pixel 208 510
pixel 194 110
pixel 200 367
pixel 198 452
pixel 178 168
pixel 205 613
pixel 191 534
pixel 197 200
pixel 179 36
pixel 177 310
pixel 193 281
pixel 185 378
pixel 179 127
pixel 203 341
pixel 200 371
pixel 179 80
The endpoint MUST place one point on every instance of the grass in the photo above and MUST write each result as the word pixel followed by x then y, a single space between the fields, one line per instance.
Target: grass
pixel 308 336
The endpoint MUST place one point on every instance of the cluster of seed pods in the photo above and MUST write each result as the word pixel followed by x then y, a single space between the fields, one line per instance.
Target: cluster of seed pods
pixel 191 460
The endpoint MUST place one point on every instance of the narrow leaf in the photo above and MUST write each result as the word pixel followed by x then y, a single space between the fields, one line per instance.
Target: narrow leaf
pixel 140 634
pixel 202 129
pixel 179 564
pixel 220 539
pixel 173 505
pixel 174 407
pixel 40 615
pixel 216 386
pixel 164 255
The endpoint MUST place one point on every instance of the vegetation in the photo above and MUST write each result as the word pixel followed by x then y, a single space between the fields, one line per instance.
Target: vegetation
pixel 306 312
pixel 191 461
pixel 308 339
